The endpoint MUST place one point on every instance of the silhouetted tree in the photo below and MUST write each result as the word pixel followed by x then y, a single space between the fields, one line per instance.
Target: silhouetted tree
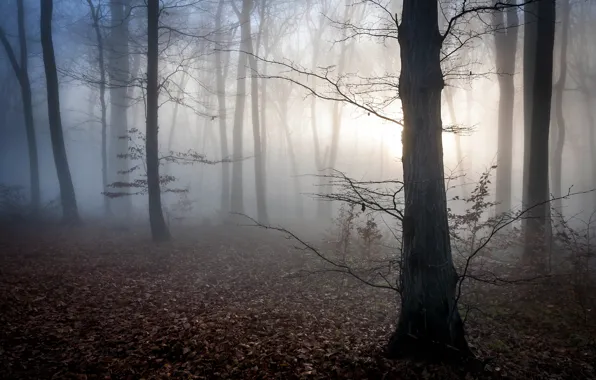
pixel 67 193
pixel 22 73
pixel 159 229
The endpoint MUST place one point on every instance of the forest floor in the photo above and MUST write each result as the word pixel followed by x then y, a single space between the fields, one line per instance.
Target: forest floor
pixel 101 303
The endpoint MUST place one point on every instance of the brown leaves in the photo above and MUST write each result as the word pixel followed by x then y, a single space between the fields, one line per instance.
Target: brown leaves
pixel 97 306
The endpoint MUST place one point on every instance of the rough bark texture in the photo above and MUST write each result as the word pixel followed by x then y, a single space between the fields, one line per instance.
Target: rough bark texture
pixel 21 71
pixel 262 216
pixel 557 161
pixel 537 224
pixel 429 320
pixel 95 16
pixel 70 213
pixel 159 229
pixel 221 103
pixel 118 70
pixel 506 32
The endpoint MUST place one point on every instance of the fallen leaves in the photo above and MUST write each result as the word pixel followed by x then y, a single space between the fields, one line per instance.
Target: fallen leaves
pixel 209 305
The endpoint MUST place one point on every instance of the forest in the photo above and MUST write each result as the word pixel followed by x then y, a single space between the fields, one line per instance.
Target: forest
pixel 297 189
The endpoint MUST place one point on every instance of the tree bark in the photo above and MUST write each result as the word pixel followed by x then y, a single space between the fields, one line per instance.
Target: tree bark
pixel 429 321
pixel 119 72
pixel 70 213
pixel 541 71
pixel 506 32
pixel 221 102
pixel 159 229
pixel 21 71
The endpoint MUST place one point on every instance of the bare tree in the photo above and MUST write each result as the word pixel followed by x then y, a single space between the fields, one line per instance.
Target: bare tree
pixel 118 70
pixel 96 18
pixel 557 162
pixel 22 73
pixel 70 213
pixel 428 315
pixel 538 71
pixel 159 229
pixel 505 33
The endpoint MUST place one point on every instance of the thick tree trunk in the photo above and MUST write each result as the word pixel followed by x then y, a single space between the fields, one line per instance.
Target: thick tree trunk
pixel 70 213
pixel 429 319
pixel 159 229
pixel 538 223
pixel 505 49
pixel 557 161
pixel 21 70
pixel 262 216
pixel 118 70
pixel 102 101
pixel 221 102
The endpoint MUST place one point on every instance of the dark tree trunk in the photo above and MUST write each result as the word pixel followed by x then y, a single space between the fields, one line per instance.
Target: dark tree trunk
pixel 538 222
pixel 70 213
pixel 95 15
pixel 159 229
pixel 557 162
pixel 505 49
pixel 221 103
pixel 21 71
pixel 429 321
pixel 119 72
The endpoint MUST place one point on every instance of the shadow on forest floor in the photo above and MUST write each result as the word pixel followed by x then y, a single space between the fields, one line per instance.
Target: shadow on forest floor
pixel 96 303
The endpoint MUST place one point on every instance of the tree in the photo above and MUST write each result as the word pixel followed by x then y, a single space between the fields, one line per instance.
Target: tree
pixel 159 229
pixel 118 70
pixel 70 213
pixel 95 18
pixel 22 73
pixel 505 34
pixel 557 161
pixel 247 46
pixel 220 79
pixel 428 317
pixel 538 70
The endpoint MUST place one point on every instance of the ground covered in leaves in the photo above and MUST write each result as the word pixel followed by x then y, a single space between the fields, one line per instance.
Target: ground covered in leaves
pixel 105 303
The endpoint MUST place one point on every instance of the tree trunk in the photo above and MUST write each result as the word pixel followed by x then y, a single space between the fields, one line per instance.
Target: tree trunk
pixel 221 102
pixel 21 71
pixel 429 320
pixel 102 101
pixel 159 229
pixel 70 213
pixel 119 76
pixel 237 201
pixel 557 162
pixel 262 216
pixel 505 50
pixel 536 231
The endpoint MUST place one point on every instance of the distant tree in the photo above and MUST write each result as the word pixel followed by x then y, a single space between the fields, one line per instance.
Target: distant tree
pixel 557 162
pixel 95 12
pixel 538 71
pixel 22 73
pixel 248 52
pixel 159 229
pixel 505 25
pixel 119 75
pixel 67 193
